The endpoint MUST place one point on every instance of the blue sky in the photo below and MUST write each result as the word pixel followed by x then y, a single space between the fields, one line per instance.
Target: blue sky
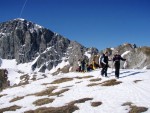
pixel 97 23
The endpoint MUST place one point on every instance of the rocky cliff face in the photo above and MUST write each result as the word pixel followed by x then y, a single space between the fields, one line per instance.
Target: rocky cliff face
pixel 28 42
pixel 136 57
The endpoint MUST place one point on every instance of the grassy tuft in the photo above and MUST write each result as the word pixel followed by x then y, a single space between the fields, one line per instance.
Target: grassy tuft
pixel 95 104
pixel 127 104
pixel 3 95
pixel 43 101
pixel 16 99
pixel 136 81
pixel 61 80
pixel 59 92
pixel 94 80
pixel 84 77
pixel 11 108
pixel 49 92
pixel 111 82
pixel 134 108
pixel 70 108
pixel 45 92
pixel 81 100
pixel 93 84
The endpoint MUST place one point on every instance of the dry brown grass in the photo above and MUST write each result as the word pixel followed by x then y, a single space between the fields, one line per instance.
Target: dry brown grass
pixel 136 81
pixel 11 108
pixel 49 92
pixel 93 84
pixel 94 80
pixel 46 84
pixel 62 80
pixel 45 92
pixel 16 99
pixel 58 93
pixel 81 100
pixel 134 108
pixel 95 104
pixel 69 108
pixel 111 82
pixel 43 101
pixel 84 77
pixel 127 104
pixel 3 95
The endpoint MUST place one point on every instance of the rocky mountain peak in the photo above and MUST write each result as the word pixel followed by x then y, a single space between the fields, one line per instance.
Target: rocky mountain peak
pixel 26 41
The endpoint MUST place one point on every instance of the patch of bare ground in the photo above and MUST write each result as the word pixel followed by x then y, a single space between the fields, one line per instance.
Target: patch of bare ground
pixel 61 80
pixel 11 108
pixel 136 81
pixel 84 77
pixel 95 80
pixel 93 84
pixel 47 91
pixel 3 95
pixel 46 84
pixel 134 108
pixel 127 104
pixel 81 100
pixel 58 93
pixel 95 104
pixel 24 79
pixel 69 108
pixel 16 99
pixel 34 77
pixel 50 92
pixel 111 82
pixel 43 101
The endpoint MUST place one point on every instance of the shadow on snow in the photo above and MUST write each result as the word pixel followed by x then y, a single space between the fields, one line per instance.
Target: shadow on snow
pixel 134 73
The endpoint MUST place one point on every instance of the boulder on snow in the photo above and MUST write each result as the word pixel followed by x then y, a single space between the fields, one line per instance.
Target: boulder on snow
pixel 4 79
pixel 65 69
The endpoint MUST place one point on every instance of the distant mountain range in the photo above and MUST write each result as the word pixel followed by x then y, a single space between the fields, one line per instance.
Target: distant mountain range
pixel 27 42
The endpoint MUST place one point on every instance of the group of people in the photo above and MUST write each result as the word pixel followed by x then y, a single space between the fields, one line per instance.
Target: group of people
pixel 83 66
pixel 116 62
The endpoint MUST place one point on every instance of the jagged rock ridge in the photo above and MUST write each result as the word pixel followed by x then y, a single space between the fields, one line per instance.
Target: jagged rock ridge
pixel 26 41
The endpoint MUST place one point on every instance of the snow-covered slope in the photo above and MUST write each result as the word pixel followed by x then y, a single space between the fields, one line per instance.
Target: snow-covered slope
pixel 85 92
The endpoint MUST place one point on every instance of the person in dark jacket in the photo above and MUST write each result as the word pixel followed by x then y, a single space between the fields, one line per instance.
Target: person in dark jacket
pixel 83 65
pixel 104 64
pixel 116 60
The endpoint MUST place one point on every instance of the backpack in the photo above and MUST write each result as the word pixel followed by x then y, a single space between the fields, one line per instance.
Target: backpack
pixel 101 57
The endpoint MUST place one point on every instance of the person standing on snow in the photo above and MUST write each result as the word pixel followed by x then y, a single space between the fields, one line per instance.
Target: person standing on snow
pixel 83 65
pixel 79 65
pixel 104 64
pixel 116 60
